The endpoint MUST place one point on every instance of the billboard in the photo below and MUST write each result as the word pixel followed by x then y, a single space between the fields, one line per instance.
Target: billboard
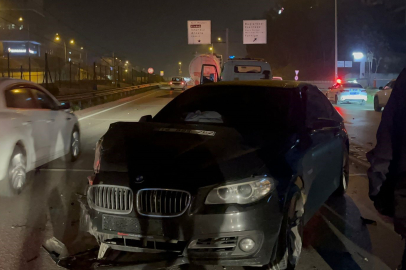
pixel 199 32
pixel 254 32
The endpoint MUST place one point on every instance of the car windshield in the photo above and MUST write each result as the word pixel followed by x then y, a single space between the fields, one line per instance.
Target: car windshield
pixel 351 85
pixel 177 79
pixel 241 107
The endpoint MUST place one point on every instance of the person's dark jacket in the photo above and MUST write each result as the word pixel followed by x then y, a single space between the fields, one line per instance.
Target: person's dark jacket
pixel 387 174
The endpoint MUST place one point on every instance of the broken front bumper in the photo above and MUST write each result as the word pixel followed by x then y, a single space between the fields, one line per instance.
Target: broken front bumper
pixel 204 237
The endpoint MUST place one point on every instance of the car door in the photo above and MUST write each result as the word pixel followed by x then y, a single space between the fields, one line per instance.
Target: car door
pixel 21 100
pixel 322 162
pixel 56 123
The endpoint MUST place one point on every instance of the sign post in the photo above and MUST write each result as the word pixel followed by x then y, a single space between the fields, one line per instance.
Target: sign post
pixel 254 32
pixel 199 32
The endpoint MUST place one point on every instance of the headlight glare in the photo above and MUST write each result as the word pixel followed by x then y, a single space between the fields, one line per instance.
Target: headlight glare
pixel 242 193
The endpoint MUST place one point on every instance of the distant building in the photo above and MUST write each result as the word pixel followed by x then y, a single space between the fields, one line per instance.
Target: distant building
pixel 21 24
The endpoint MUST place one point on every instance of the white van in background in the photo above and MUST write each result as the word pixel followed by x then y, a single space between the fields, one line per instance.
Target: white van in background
pixel 246 69
pixel 237 69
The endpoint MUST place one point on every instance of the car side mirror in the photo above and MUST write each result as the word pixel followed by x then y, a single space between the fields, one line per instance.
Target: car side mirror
pixel 64 106
pixel 146 118
pixel 381 88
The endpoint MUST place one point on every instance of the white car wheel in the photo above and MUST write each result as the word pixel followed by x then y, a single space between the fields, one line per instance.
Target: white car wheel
pixel 75 145
pixel 16 174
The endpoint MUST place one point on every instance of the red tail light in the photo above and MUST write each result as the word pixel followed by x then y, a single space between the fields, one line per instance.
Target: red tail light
pixel 183 83
pixel 170 82
pixel 339 81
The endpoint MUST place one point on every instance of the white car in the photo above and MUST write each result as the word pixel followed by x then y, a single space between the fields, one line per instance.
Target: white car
pixel 382 96
pixel 347 92
pixel 35 129
pixel 178 83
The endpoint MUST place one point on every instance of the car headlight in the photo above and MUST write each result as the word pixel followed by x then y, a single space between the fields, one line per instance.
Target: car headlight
pixel 242 193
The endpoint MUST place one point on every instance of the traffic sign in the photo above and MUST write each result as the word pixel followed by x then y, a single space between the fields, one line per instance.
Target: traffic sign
pixel 199 32
pixel 297 72
pixel 161 73
pixel 254 32
pixel 296 78
pixel 150 70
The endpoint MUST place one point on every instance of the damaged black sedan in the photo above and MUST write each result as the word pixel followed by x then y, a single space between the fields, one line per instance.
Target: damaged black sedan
pixel 225 174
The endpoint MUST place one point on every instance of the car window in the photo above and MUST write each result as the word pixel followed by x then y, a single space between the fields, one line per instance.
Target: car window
pixel 176 79
pixel 319 107
pixel 20 98
pixel 247 69
pixel 238 107
pixel 44 100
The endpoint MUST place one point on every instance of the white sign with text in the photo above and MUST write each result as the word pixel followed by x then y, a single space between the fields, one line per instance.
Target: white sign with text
pixel 254 32
pixel 199 32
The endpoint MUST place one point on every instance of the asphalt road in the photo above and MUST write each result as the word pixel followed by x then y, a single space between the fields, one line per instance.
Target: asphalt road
pixel 334 239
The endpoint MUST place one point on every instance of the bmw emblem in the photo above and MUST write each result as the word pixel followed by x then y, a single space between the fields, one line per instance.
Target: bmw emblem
pixel 139 179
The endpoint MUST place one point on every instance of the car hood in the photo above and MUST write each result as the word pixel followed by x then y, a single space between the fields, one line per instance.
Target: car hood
pixel 188 155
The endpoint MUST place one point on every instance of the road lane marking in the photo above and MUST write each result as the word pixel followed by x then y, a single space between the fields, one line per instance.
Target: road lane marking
pixel 64 170
pixel 109 109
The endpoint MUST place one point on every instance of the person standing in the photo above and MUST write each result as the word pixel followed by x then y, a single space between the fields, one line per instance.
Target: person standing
pixel 387 174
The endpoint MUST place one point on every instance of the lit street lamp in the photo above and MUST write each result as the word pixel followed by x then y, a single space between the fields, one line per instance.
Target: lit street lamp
pixel 180 68
pixel 20 19
pixel 219 39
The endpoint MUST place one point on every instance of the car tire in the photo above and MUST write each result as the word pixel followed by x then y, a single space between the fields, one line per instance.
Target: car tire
pixel 74 147
pixel 290 239
pixel 377 108
pixel 345 175
pixel 16 173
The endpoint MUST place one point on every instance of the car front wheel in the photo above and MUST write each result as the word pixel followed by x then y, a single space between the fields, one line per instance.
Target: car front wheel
pixel 291 235
pixel 74 150
pixel 377 108
pixel 345 174
pixel 17 174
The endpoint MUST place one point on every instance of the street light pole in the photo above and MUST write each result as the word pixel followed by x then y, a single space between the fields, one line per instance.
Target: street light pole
pixel 227 55
pixel 336 44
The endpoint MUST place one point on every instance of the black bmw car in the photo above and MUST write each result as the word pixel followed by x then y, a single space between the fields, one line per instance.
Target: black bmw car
pixel 225 174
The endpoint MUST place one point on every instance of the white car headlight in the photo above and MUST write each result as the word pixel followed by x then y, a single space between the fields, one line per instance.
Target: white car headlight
pixel 242 193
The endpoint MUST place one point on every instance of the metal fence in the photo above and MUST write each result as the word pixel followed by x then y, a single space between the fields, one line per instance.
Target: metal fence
pixel 52 70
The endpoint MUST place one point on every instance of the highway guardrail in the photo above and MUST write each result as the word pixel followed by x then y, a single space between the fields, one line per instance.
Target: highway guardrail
pixel 99 96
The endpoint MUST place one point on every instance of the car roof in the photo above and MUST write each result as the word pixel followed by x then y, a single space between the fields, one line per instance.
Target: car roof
pixel 262 83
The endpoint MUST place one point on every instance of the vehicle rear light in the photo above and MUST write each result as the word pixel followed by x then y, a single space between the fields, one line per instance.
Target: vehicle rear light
pixel 170 82
pixel 183 83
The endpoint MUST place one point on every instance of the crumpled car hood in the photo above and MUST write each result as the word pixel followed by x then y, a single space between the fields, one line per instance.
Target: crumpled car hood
pixel 187 156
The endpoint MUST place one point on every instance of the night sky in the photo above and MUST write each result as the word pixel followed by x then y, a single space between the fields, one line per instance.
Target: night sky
pixel 153 33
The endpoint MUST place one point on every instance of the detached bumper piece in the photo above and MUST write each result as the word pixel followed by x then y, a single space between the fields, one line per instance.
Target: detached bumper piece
pixel 142 245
